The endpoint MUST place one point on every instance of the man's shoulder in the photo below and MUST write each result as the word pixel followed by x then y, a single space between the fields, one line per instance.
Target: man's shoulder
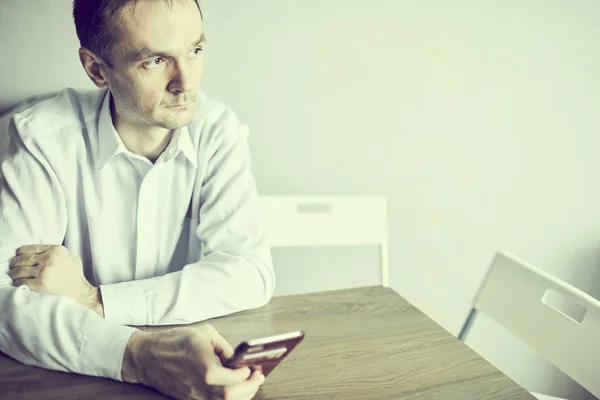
pixel 68 108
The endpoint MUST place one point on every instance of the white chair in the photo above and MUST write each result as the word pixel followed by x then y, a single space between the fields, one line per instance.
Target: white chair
pixel 555 319
pixel 309 221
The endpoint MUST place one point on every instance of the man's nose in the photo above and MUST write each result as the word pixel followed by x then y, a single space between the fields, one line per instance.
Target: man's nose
pixel 183 79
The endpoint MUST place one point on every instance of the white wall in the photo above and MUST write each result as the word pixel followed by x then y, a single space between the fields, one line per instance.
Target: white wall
pixel 478 120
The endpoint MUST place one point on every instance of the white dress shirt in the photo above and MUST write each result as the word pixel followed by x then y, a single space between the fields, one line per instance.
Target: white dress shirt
pixel 173 242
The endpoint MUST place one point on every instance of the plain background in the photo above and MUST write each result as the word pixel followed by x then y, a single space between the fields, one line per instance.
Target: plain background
pixel 478 119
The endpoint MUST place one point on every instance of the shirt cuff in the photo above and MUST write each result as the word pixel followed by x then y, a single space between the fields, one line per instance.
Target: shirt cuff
pixel 125 303
pixel 103 347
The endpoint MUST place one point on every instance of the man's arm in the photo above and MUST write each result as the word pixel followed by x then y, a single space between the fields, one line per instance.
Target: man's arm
pixel 235 269
pixel 36 328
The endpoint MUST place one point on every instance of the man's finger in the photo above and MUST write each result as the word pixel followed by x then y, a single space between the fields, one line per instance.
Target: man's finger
pixel 222 348
pixel 23 272
pixel 248 388
pixel 216 374
pixel 221 376
pixel 31 283
pixel 27 260
pixel 33 249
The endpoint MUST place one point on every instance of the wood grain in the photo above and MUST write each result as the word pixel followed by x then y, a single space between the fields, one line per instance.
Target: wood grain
pixel 365 343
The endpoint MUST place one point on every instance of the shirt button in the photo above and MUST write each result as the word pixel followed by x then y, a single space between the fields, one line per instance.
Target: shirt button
pixel 171 152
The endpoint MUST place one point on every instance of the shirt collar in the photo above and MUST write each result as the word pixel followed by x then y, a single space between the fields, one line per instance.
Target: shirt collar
pixel 110 143
pixel 181 142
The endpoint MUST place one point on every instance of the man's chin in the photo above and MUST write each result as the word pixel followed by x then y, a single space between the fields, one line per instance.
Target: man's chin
pixel 176 121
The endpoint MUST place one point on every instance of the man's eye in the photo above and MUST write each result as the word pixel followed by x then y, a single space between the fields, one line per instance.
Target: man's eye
pixel 197 51
pixel 153 63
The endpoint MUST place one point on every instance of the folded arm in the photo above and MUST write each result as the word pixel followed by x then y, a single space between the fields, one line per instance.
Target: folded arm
pixel 235 269
pixel 41 329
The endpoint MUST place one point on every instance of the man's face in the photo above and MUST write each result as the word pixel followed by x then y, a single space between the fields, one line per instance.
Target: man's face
pixel 157 63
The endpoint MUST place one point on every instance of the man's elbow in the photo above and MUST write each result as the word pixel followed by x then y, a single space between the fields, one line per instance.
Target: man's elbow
pixel 266 281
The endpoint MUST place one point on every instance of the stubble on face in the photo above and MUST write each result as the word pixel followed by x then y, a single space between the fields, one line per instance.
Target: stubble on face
pixel 166 96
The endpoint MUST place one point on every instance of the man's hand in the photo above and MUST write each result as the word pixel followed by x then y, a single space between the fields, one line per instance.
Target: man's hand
pixel 52 269
pixel 186 363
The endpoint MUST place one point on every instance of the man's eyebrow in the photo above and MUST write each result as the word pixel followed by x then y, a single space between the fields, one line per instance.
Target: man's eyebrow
pixel 147 53
pixel 202 40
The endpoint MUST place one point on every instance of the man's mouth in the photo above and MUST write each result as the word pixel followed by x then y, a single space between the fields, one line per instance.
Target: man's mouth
pixel 182 105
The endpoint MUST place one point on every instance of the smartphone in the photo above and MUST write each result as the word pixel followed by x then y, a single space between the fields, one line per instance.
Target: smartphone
pixel 264 353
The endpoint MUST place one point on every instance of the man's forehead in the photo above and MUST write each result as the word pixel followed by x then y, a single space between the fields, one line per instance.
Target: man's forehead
pixel 143 8
pixel 154 24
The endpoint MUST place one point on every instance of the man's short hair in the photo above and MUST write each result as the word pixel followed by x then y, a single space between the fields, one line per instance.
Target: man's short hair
pixel 93 23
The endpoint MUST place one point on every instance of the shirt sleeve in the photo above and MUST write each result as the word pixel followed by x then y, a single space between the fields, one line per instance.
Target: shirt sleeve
pixel 48 331
pixel 235 270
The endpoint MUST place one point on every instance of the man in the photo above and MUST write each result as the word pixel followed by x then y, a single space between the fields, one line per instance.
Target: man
pixel 132 205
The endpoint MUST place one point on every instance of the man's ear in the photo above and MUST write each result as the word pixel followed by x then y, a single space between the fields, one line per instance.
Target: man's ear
pixel 94 67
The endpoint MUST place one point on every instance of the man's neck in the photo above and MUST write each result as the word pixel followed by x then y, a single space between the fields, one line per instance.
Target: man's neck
pixel 147 142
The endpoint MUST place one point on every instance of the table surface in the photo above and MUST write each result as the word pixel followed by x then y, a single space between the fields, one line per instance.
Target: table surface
pixel 365 343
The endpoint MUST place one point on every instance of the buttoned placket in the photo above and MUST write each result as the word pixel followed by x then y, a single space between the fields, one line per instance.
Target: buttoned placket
pixel 147 233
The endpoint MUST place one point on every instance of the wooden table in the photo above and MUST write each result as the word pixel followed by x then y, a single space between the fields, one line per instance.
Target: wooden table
pixel 365 343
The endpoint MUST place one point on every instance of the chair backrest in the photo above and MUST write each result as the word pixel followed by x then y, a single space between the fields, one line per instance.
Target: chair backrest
pixel 557 320
pixel 307 221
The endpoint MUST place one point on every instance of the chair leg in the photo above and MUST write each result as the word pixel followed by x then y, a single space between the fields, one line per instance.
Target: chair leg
pixel 385 277
pixel 467 325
